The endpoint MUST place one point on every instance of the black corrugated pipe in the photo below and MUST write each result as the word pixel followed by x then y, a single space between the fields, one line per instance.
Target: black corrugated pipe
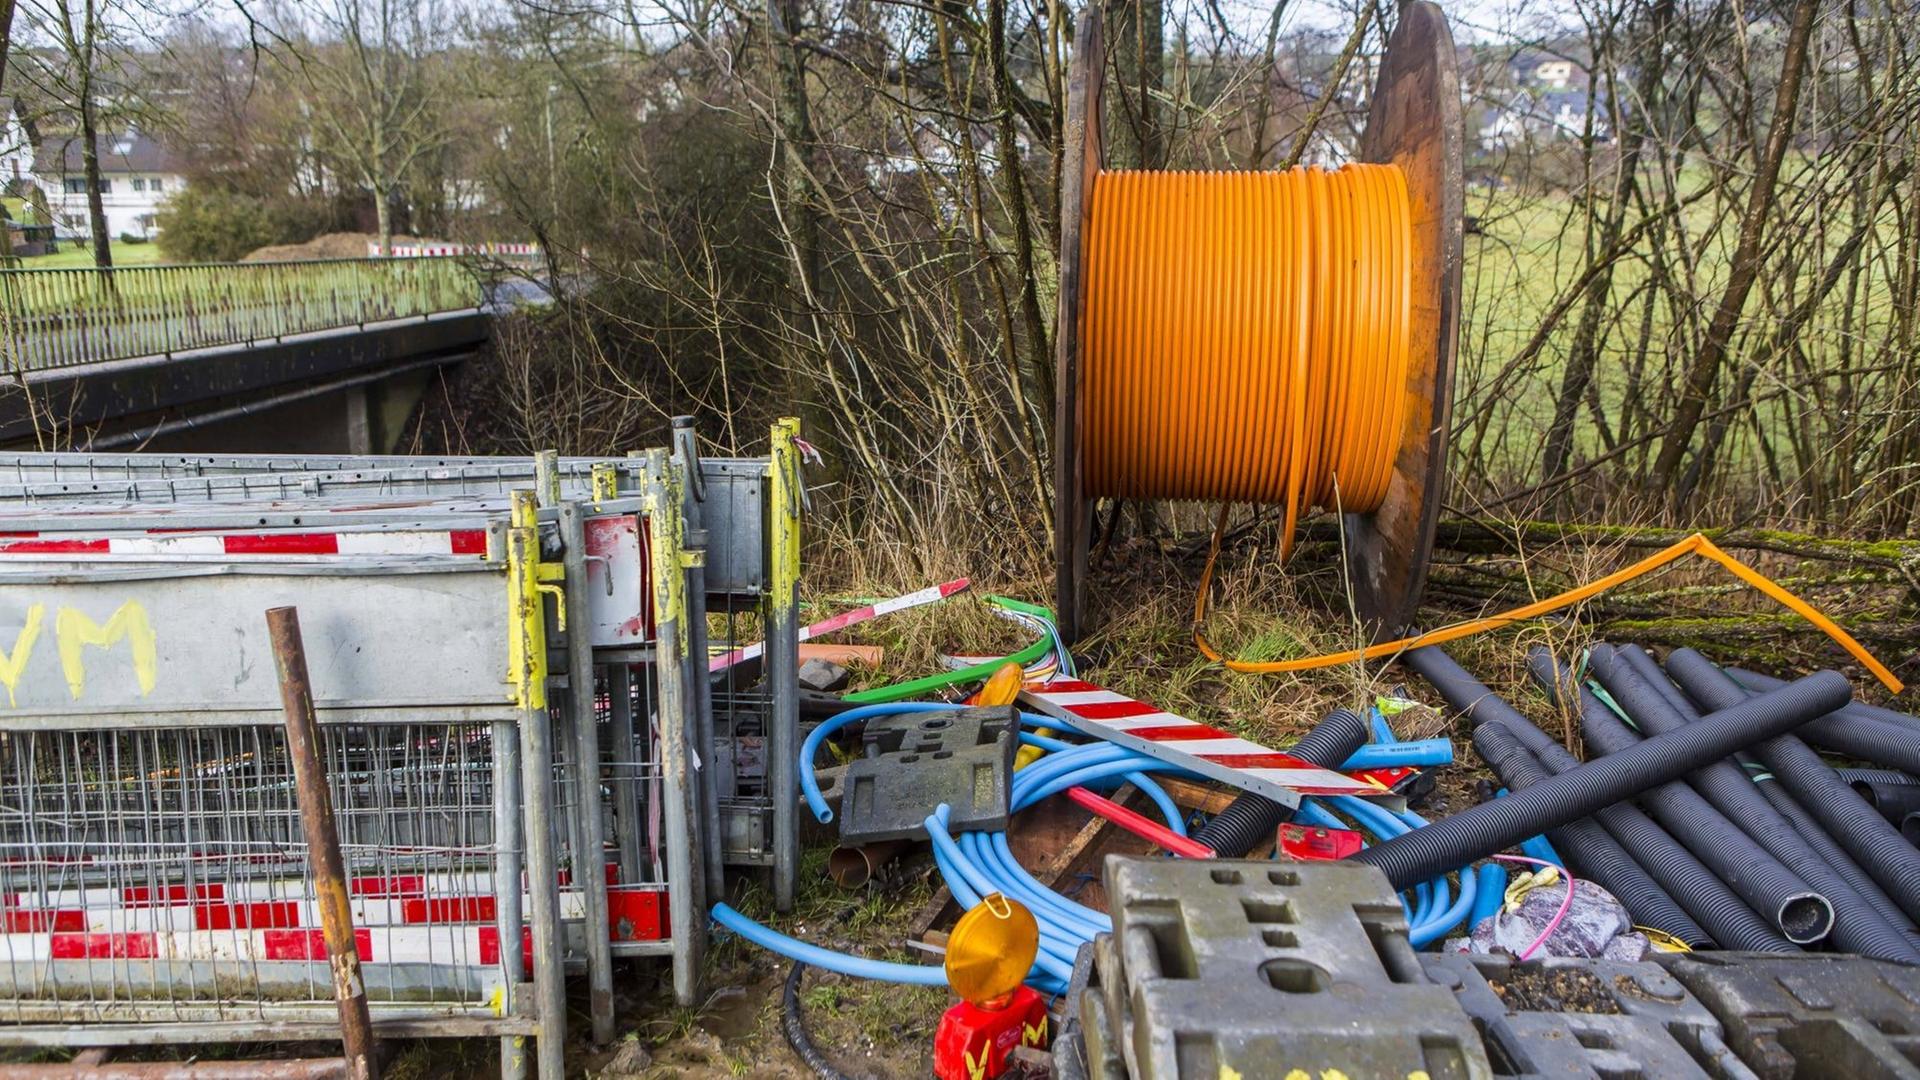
pixel 1544 671
pixel 1894 801
pixel 1876 776
pixel 1644 665
pixel 1859 925
pixel 1871 734
pixel 1857 709
pixel 1833 855
pixel 1453 842
pixel 1910 828
pixel 1591 852
pixel 1781 896
pixel 1733 924
pixel 1638 862
pixel 1876 845
pixel 1252 818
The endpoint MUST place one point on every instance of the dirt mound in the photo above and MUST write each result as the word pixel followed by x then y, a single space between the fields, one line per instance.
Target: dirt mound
pixel 339 245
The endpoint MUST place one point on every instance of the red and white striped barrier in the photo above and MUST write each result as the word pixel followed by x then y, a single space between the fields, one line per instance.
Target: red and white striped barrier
pixel 171 542
pixel 430 251
pixel 1170 737
pixel 928 595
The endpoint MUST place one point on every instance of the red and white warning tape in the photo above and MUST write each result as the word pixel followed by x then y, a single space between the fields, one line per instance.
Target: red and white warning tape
pixel 928 595
pixel 169 543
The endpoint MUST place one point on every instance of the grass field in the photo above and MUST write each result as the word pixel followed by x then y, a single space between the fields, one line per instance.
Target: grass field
pixel 79 256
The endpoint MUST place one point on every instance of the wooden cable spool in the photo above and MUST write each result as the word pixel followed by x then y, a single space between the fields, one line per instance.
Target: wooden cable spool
pixel 1414 125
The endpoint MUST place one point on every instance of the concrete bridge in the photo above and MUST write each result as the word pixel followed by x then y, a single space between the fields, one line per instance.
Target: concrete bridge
pixel 325 356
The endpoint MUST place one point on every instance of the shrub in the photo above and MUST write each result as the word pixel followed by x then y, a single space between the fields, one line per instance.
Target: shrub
pixel 204 224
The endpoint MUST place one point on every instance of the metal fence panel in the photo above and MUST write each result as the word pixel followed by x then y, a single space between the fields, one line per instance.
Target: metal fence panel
pixel 57 318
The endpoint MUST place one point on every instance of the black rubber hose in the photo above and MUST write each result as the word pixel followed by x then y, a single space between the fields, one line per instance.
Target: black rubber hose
pixel 1453 842
pixel 1707 911
pixel 1768 887
pixel 794 1023
pixel 1856 709
pixel 1867 921
pixel 1894 801
pixel 1591 852
pixel 1251 818
pixel 1876 845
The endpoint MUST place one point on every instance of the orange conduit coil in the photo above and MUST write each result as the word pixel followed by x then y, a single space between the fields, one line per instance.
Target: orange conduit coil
pixel 1245 336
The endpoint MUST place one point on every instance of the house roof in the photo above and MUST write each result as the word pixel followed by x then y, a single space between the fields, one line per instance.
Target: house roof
pixel 128 152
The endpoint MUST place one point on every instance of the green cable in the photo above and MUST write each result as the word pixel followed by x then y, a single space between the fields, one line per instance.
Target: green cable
pixel 976 673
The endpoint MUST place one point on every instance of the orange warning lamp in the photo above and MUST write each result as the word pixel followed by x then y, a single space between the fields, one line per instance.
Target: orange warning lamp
pixel 991 949
pixel 989 953
pixel 1002 687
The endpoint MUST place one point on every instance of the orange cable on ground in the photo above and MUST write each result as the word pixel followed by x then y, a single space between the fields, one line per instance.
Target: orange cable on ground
pixel 1697 544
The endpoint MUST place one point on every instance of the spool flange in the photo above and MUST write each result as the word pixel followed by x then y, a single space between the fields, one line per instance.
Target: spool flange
pixel 1415 123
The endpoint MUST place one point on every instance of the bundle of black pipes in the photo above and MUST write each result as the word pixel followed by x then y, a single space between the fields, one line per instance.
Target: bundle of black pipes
pixel 1727 841
pixel 1453 842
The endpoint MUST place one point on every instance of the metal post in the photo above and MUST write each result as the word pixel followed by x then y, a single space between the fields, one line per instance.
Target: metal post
pixel 530 579
pixel 324 861
pixel 686 459
pixel 686 909
pixel 589 852
pixel 507 872
pixel 546 477
pixel 783 645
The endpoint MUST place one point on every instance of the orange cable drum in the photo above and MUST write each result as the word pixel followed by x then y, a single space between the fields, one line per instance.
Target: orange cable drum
pixel 1245 336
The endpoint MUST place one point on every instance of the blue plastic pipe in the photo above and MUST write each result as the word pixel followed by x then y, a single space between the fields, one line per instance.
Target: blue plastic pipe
pixel 1414 754
pixel 827 959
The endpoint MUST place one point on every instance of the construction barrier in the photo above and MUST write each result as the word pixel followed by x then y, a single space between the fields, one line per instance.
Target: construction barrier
pixel 531 772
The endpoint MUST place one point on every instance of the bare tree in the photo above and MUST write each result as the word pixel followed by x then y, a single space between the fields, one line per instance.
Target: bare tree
pixel 369 66
pixel 69 75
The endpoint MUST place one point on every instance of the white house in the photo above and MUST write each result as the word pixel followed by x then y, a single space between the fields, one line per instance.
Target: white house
pixel 136 175
pixel 16 150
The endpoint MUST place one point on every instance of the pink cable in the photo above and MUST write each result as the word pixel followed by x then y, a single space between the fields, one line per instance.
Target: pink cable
pixel 1567 902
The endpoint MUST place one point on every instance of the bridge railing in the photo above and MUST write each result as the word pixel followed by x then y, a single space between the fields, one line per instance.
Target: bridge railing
pixel 56 318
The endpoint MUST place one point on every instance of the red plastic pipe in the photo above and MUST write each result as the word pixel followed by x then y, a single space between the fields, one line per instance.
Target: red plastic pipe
pixel 1142 827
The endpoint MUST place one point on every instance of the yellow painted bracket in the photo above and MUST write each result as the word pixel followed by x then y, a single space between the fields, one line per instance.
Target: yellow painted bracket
pixel 670 558
pixel 784 499
pixel 606 484
pixel 527 578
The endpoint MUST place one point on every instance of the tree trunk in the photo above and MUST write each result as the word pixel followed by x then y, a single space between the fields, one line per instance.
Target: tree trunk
pixel 1140 69
pixel 6 40
pixel 1745 266
pixel 90 160
pixel 383 218
pixel 1583 356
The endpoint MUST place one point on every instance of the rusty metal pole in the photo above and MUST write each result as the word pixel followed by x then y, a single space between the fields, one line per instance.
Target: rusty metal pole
pixel 323 843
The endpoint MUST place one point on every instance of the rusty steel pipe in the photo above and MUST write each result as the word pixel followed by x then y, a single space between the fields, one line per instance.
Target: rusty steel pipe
pixel 323 844
pixel 851 867
pixel 268 1069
